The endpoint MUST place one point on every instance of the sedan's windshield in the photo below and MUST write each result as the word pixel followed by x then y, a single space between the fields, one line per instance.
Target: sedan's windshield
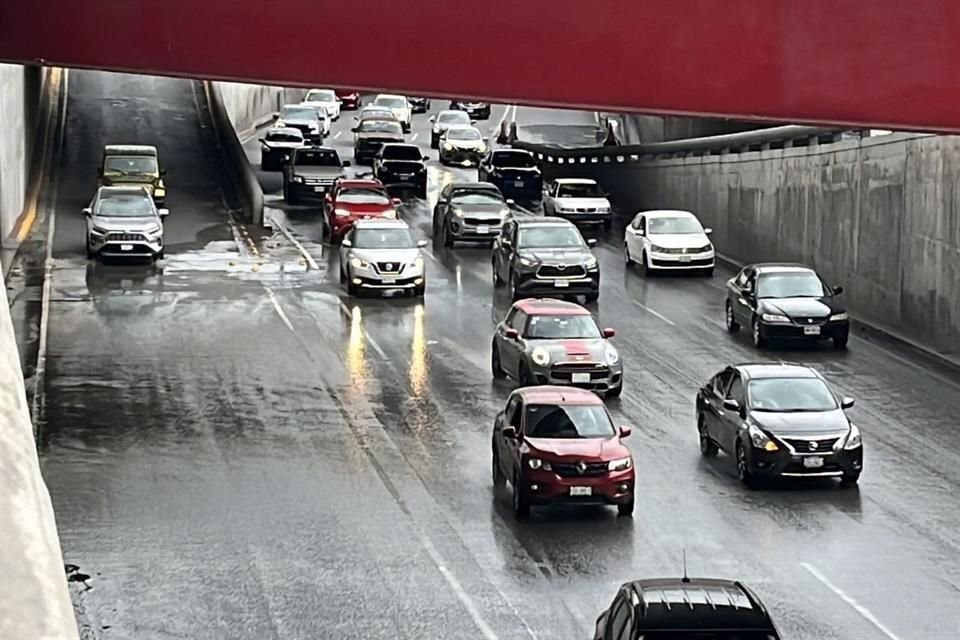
pixel 679 224
pixel 383 239
pixel 568 421
pixel 125 206
pixel 325 158
pixel 463 134
pixel 561 327
pixel 512 159
pixel 363 196
pixel 321 95
pixel 130 165
pixel 579 191
pixel 790 395
pixel 477 198
pixel 299 113
pixel 393 103
pixel 453 117
pixel 376 112
pixel 798 284
pixel 553 236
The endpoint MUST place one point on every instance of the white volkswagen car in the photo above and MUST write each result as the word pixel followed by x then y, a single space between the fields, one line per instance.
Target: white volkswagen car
pixel 382 255
pixel 668 240
pixel 326 98
pixel 399 105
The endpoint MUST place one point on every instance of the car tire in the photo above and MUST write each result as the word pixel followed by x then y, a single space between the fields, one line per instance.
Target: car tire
pixel 496 368
pixel 708 272
pixel 840 342
pixel 524 379
pixel 521 504
pixel 850 479
pixel 514 292
pixel 448 240
pixel 496 473
pixel 743 466
pixel 160 255
pixel 343 276
pixel 592 297
pixel 732 325
pixel 434 141
pixel 757 334
pixel 616 391
pixel 625 510
pixel 352 289
pixel 645 265
pixel 91 254
pixel 708 448
pixel 420 290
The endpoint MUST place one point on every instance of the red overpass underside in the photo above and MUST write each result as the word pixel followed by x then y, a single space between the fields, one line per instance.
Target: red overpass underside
pixel 876 63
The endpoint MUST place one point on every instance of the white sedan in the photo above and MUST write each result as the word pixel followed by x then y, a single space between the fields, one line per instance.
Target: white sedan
pixel 326 98
pixel 668 240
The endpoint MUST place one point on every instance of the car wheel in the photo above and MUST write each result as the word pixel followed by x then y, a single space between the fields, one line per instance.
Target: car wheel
pixel 592 297
pixel 159 256
pixel 448 240
pixel 496 473
pixel 495 367
pixel 352 289
pixel 514 291
pixel 343 276
pixel 732 325
pixel 524 379
pixel 521 504
pixel 625 510
pixel 840 342
pixel 419 290
pixel 91 254
pixel 850 479
pixel 434 142
pixel 616 391
pixel 608 223
pixel 743 466
pixel 758 340
pixel 708 272
pixel 645 265
pixel 708 448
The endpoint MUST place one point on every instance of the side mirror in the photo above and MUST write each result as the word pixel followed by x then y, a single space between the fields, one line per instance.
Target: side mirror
pixel 431 119
pixel 591 242
pixel 511 333
pixel 346 243
pixel 509 432
pixel 731 404
pixel 163 212
pixel 262 140
pixel 708 231
pixel 87 211
pixel 355 129
pixel 396 201
pixel 425 158
pixel 846 403
pixel 473 122
pixel 275 114
pixel 346 163
pixel 609 333
pixel 421 243
pixel 837 290
pixel 99 171
pixel 625 431
pixel 511 201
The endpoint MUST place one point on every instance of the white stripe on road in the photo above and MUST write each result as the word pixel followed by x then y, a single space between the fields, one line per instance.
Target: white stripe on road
pixel 413 138
pixel 337 135
pixel 279 310
pixel 652 312
pixel 859 608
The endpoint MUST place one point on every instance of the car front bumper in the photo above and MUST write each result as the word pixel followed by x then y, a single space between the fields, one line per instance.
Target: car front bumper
pixel 807 331
pixel 480 113
pixel 576 217
pixel 125 248
pixel 682 261
pixel 369 279
pixel 474 229
pixel 786 464
pixel 531 284
pixel 599 378
pixel 547 487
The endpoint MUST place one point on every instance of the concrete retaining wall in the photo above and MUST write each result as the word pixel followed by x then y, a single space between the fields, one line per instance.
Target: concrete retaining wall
pixel 880 216
pixel 252 105
pixel 14 160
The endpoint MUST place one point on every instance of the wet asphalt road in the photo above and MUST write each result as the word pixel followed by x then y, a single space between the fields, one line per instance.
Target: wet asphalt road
pixel 248 453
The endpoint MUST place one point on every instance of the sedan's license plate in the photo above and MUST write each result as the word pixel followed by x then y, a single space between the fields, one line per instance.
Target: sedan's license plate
pixel 483 229
pixel 389 281
pixel 561 283
pixel 811 331
pixel 318 189
pixel 581 491
pixel 518 183
pixel 126 247
pixel 684 258
pixel 813 462
pixel 579 378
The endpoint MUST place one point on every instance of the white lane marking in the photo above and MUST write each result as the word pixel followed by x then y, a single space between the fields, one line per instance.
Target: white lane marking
pixel 652 312
pixel 366 334
pixel 859 608
pixel 306 256
pixel 430 255
pixel 503 117
pixel 279 310
pixel 337 134
pixel 413 138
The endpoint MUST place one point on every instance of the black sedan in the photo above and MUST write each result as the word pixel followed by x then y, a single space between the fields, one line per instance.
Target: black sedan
pixel 778 420
pixel 785 302
pixel 515 173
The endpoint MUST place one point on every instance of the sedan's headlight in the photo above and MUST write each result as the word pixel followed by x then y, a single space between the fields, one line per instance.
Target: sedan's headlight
pixel 341 213
pixel 447 146
pixel 154 229
pixel 390 213
pixel 98 231
pixel 854 439
pixel 297 178
pixel 418 262
pixel 458 213
pixel 839 316
pixel 359 263
pixel 774 317
pixel 540 356
pixel 482 148
pixel 620 464
pixel 537 463
pixel 656 248
pixel 504 213
pixel 761 440
pixel 567 210
pixel 527 262
pixel 591 263
pixel 611 355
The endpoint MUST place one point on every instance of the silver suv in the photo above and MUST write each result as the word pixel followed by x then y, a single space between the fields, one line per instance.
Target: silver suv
pixel 124 221
pixel 381 255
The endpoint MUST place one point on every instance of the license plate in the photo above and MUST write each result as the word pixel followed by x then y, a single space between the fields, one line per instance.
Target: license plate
pixel 318 189
pixel 813 462
pixel 581 491
pixel 579 378
pixel 126 247
pixel 518 183
pixel 684 258
pixel 483 229
pixel 811 331
pixel 561 283
pixel 389 281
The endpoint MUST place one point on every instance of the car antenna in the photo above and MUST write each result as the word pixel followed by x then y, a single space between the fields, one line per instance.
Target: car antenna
pixel 685 578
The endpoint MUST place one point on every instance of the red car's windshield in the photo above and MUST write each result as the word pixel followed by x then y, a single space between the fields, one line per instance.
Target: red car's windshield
pixel 568 421
pixel 363 196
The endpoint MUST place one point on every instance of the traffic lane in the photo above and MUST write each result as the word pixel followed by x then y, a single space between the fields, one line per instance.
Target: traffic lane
pixel 208 487
pixel 115 108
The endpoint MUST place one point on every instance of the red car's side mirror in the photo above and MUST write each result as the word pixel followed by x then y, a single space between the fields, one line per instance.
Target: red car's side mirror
pixel 513 334
pixel 609 333
pixel 625 431
pixel 509 432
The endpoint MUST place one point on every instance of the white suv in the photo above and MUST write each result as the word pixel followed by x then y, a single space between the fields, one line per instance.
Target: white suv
pixel 400 107
pixel 382 255
pixel 326 98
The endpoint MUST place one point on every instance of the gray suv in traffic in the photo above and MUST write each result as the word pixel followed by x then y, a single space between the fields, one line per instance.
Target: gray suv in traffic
pixel 124 221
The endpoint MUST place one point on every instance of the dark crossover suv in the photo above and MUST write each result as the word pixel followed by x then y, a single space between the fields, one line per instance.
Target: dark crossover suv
pixel 554 342
pixel 419 104
pixel 778 420
pixel 545 256
pixel 685 609
pixel 372 133
pixel 785 302
pixel 469 212
pixel 311 172
pixel 401 166
pixel 514 172
pixel 476 110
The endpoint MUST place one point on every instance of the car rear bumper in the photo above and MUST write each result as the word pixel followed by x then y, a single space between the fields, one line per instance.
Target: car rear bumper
pixel 546 487
pixel 527 189
pixel 305 191
pixel 784 464
pixel 374 283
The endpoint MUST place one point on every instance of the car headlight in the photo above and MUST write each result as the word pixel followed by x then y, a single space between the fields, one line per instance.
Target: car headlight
pixel 774 317
pixel 527 262
pixel 418 262
pixel 504 213
pixel 458 213
pixel 482 148
pixel 656 248
pixel 839 316
pixel 359 263
pixel 611 355
pixel 98 231
pixel 540 356
pixel 706 247
pixel 621 464
pixel 591 263
pixel 567 210
pixel 280 123
pixel 447 146
pixel 154 229
pixel 537 463
pixel 297 178
pixel 603 209
pixel 854 439
pixel 390 213
pixel 761 440
pixel 341 213
pixel 160 190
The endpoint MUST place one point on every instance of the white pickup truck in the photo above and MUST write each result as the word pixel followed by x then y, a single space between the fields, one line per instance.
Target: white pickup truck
pixel 579 200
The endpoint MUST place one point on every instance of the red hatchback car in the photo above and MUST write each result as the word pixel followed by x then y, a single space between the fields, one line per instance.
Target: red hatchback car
pixel 351 200
pixel 349 99
pixel 558 445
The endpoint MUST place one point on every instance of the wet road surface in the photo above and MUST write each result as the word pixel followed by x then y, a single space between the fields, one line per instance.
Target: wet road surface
pixel 253 454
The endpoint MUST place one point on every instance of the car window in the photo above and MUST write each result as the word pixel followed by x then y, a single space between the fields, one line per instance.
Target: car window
pixel 519 321
pixel 467 197
pixel 736 390
pixel 463 134
pixel 579 191
pixel 129 165
pixel 451 117
pixel 790 284
pixel 397 152
pixel 512 413
pixel 512 159
pixel 568 421
pixel 392 102
pixel 674 224
pixel 790 395
pixel 550 236
pixel 562 327
pixel 619 618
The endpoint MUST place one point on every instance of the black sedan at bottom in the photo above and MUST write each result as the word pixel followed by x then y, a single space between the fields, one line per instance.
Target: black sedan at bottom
pixel 778 420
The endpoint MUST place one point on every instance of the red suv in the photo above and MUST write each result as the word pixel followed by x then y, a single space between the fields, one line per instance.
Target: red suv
pixel 352 200
pixel 558 445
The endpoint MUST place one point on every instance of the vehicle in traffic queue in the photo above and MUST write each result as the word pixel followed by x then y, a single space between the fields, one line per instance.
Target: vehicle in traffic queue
pixel 326 99
pixel 668 241
pixel 579 200
pixel 462 144
pixel 276 145
pixel 545 256
pixel 311 172
pixel 133 164
pixel 558 445
pixel 515 173
pixel 443 121
pixel 124 221
pixel 545 341
pixel 371 134
pixel 400 107
pixel 349 99
pixel 355 199
pixel 469 212
pixel 476 110
pixel 785 302
pixel 375 112
pixel 312 122
pixel 778 420
pixel 419 104
pixel 401 166
pixel 685 609
pixel 382 255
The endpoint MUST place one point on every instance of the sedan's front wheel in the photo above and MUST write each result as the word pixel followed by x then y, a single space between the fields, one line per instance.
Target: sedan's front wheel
pixel 758 340
pixel 496 367
pixel 708 448
pixel 521 504
pixel 743 466
pixel 495 472
pixel 732 325
pixel 625 510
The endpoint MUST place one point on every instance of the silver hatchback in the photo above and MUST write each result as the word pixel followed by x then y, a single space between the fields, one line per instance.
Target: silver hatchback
pixel 124 221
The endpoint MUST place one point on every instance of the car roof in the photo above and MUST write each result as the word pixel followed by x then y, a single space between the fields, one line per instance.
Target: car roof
pixel 124 190
pixel 360 183
pixel 290 131
pixel 768 267
pixel 559 395
pixel 389 95
pixel 380 223
pixel 775 370
pixel 550 307
pixel 463 127
pixel 379 118
pixel 575 181
pixel 668 213
pixel 130 149
pixel 696 604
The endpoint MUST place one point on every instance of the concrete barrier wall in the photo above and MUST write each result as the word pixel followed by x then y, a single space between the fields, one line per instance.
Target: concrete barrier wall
pixel 251 105
pixel 14 161
pixel 880 216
